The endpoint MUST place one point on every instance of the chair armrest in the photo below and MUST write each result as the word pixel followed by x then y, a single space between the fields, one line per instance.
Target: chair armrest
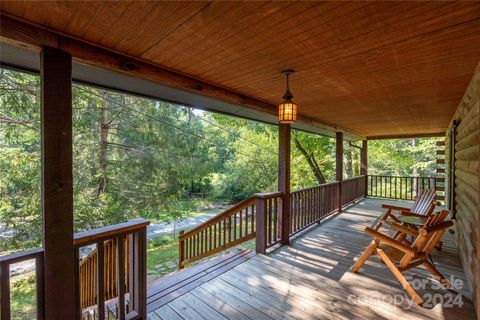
pixel 389 241
pixel 393 217
pixel 435 227
pixel 396 208
pixel 403 229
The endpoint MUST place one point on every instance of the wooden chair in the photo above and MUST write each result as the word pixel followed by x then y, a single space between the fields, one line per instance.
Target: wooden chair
pixel 399 256
pixel 423 206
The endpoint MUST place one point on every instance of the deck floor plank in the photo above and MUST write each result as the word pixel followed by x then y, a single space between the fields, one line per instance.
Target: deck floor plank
pixel 310 279
pixel 219 305
pixel 185 311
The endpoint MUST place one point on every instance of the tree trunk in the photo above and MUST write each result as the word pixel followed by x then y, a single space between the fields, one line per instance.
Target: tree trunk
pixel 415 171
pixel 356 163
pixel 104 129
pixel 312 162
pixel 348 162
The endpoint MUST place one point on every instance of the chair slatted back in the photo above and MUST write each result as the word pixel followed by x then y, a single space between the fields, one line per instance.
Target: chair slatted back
pixel 423 202
pixel 424 243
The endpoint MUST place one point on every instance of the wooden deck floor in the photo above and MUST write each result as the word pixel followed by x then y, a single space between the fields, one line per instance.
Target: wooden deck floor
pixel 310 279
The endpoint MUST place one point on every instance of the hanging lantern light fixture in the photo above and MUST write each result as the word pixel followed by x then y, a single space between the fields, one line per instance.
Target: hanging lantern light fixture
pixel 287 110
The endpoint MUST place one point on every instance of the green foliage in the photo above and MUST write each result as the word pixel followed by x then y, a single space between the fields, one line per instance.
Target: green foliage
pixel 23 297
pixel 402 157
pixel 323 151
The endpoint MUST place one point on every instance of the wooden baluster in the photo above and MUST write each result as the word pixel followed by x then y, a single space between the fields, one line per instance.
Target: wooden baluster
pixel 194 246
pixel 215 236
pixel 229 229
pixel 411 188
pixel 310 206
pixel 121 277
pixel 246 221
pixel 5 291
pixel 199 243
pixel 210 229
pixel 300 210
pixel 190 247
pixel 181 249
pixel 235 226
pixel 100 281
pixel 274 209
pixel 253 221
pixel 415 184
pixel 186 248
pixel 224 231
pixel 269 221
pixel 240 230
pixel 307 208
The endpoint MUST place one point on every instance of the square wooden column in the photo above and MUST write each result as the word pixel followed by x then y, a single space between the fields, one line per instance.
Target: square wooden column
pixel 339 166
pixel 57 188
pixel 284 135
pixel 363 158
pixel 364 163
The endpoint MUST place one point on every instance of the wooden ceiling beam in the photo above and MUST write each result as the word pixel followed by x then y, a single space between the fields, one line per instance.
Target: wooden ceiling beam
pixel 24 33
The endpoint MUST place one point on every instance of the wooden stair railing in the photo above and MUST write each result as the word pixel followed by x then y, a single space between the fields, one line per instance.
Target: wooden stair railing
pixel 116 269
pixel 234 226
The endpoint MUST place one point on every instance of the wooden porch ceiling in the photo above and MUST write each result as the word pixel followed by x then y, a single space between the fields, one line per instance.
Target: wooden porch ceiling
pixel 372 68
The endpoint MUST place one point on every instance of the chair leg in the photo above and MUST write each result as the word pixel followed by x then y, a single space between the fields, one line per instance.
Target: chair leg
pixel 382 220
pixel 405 284
pixel 364 256
pixel 430 267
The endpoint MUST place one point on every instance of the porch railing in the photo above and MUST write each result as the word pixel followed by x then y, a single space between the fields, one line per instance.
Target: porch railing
pixel 310 205
pixel 260 217
pixel 353 189
pixel 5 263
pixel 236 225
pixel 115 271
pixel 399 187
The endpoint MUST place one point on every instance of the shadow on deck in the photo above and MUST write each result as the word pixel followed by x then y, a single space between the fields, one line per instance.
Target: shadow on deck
pixel 310 279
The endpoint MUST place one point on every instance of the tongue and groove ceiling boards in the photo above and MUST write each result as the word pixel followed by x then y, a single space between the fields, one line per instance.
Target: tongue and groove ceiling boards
pixel 372 68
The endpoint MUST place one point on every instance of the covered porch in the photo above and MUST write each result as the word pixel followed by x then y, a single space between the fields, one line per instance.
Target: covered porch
pixel 365 71
pixel 310 279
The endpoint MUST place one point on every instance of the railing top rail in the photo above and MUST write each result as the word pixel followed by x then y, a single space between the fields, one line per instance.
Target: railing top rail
pixel 354 178
pixel 314 187
pixel 387 176
pixel 265 195
pixel 21 256
pixel 108 232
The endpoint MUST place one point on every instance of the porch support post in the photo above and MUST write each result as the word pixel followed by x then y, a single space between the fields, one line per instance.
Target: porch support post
pixel 284 134
pixel 339 167
pixel 364 163
pixel 57 188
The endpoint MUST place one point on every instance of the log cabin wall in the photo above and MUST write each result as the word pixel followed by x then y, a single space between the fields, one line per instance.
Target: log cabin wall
pixel 465 169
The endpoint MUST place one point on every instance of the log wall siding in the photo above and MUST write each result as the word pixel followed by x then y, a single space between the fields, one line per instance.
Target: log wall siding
pixel 466 184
